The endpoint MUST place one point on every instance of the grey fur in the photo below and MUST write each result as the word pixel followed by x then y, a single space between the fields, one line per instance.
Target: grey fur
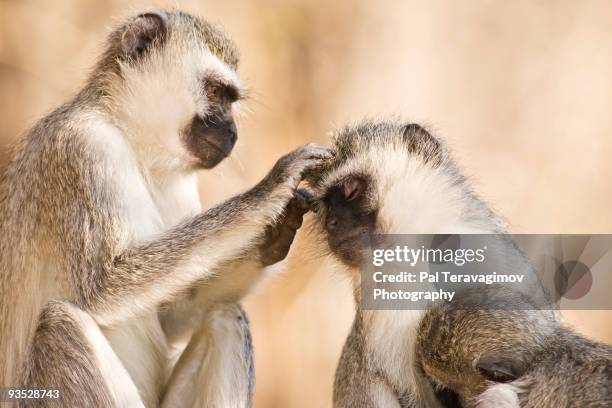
pixel 61 358
pixel 554 366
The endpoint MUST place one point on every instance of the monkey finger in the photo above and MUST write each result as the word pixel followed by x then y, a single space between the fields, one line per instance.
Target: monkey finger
pixel 278 250
pixel 287 237
pixel 293 216
pixel 309 195
pixel 312 151
pixel 313 168
pixel 295 210
pixel 302 201
pixel 294 222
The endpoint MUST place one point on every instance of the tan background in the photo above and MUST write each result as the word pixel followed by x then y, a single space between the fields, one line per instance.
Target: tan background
pixel 522 91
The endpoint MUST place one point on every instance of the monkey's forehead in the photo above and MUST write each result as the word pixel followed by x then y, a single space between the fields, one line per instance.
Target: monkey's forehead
pixel 370 144
pixel 365 135
pixel 215 39
pixel 354 144
pixel 395 136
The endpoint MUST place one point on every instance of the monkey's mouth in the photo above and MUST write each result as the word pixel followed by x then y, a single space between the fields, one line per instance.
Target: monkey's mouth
pixel 210 141
pixel 210 153
pixel 360 238
pixel 218 149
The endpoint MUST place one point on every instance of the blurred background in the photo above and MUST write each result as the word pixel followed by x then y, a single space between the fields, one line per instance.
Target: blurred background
pixel 521 90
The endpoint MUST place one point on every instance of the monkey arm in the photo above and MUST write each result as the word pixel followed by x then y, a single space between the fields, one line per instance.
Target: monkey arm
pixel 181 317
pixel 237 277
pixel 141 277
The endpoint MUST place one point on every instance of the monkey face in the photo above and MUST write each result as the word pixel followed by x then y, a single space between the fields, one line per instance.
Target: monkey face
pixel 374 182
pixel 180 88
pixel 348 218
pixel 210 137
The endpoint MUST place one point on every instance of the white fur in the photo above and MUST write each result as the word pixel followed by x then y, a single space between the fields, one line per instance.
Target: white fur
pixel 391 338
pixel 382 396
pixel 499 396
pixel 213 372
pixel 118 381
pixel 422 201
pixel 141 346
pixel 121 166
pixel 223 373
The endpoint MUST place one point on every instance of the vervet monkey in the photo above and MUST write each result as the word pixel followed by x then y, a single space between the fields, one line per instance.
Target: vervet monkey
pixel 101 223
pixel 477 355
pixel 391 177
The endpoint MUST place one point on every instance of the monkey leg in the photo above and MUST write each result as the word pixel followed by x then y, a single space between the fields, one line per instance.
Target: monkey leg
pixel 70 353
pixel 354 387
pixel 216 369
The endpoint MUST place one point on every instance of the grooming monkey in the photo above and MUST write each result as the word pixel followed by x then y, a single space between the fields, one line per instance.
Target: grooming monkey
pixel 101 224
pixel 392 178
pixel 483 357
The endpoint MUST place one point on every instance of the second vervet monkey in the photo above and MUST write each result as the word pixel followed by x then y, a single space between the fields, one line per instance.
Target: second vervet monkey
pixel 391 177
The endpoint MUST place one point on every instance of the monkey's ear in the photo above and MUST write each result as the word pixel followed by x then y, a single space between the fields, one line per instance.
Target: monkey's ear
pixel 140 33
pixel 500 369
pixel 414 129
pixel 420 141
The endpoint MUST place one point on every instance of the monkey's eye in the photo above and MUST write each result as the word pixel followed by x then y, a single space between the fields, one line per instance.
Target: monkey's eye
pixel 213 91
pixel 352 188
pixel 498 371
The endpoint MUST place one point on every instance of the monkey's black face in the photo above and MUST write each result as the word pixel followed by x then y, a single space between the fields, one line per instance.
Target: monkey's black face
pixel 349 218
pixel 211 137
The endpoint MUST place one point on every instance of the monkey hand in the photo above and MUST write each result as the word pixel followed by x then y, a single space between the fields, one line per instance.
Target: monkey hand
pixel 279 236
pixel 290 169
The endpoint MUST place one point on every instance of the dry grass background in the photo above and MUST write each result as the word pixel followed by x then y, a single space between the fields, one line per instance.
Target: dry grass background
pixel 522 90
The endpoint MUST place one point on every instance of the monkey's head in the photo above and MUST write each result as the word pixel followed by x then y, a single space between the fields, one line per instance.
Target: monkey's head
pixel 170 80
pixel 391 178
pixel 468 346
